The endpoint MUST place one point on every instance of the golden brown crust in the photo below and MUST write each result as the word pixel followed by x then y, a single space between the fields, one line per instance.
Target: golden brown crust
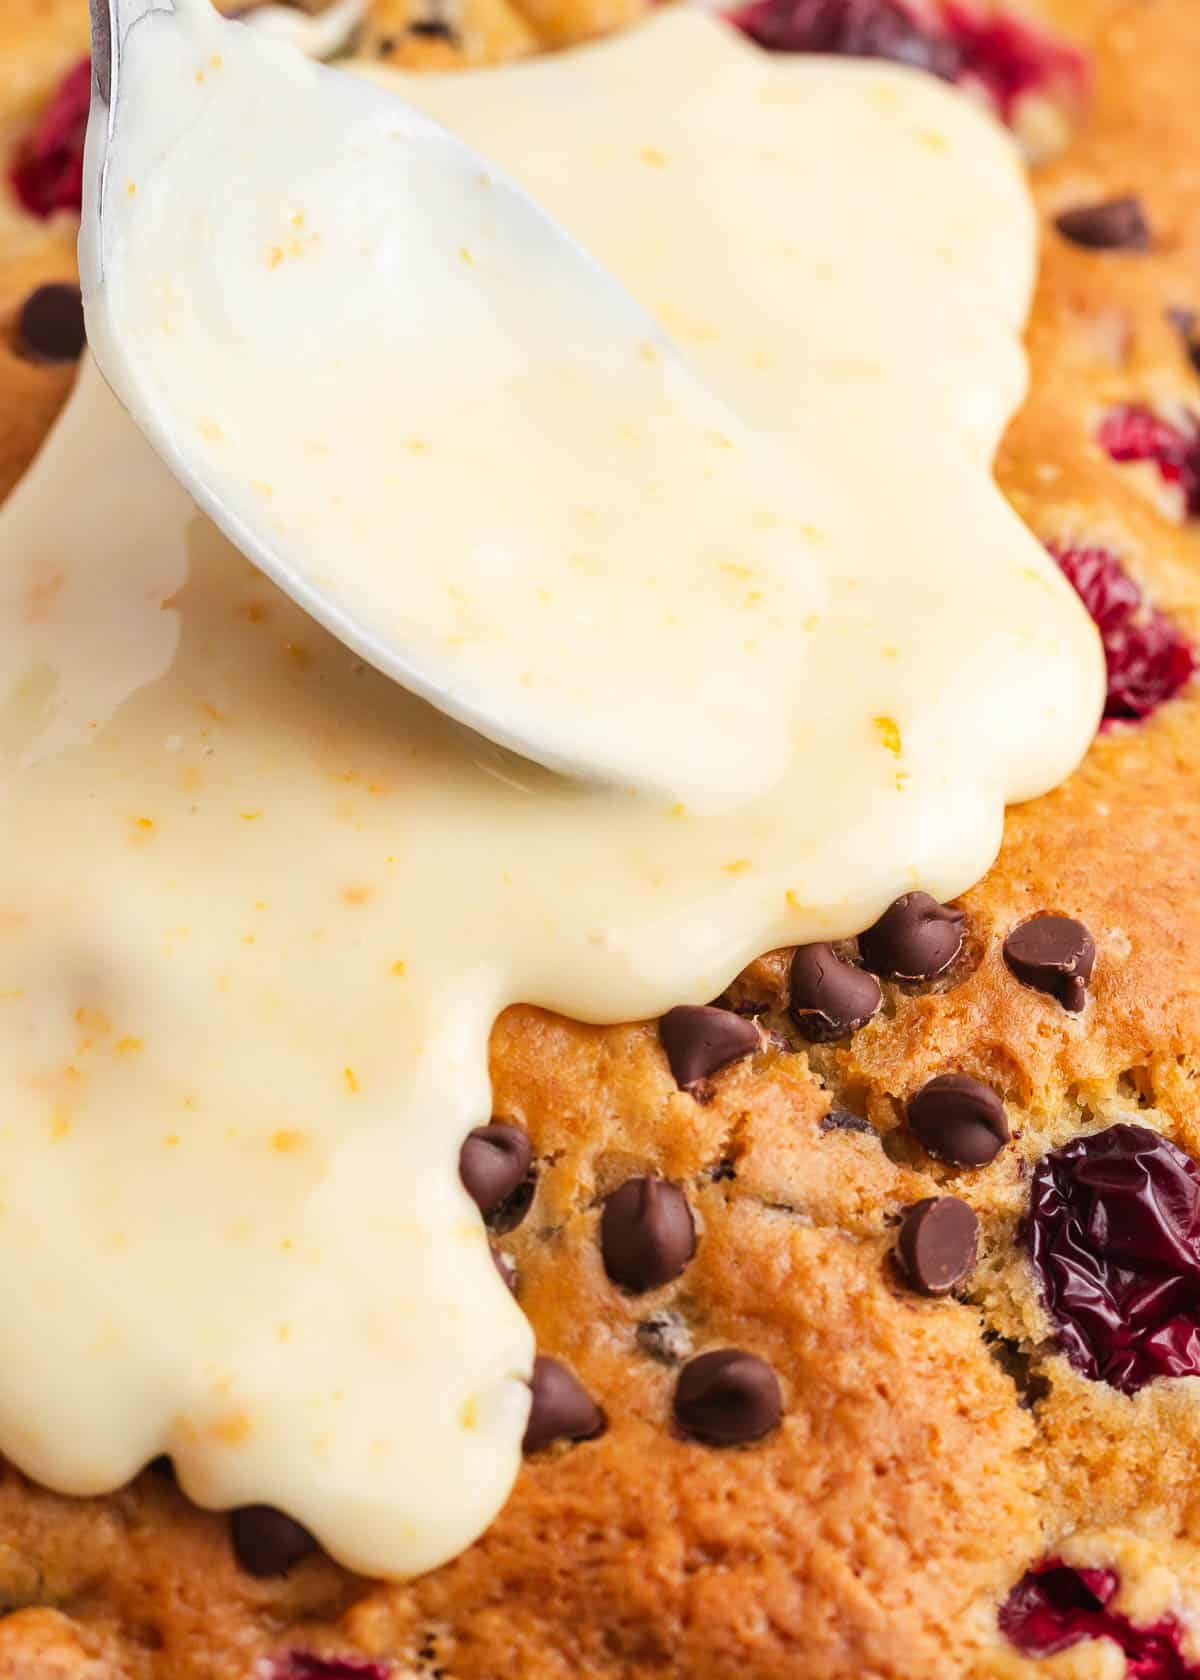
pixel 931 1450
pixel 33 391
pixel 39 41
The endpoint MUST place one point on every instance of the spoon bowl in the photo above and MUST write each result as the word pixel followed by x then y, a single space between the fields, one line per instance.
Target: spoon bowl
pixel 351 340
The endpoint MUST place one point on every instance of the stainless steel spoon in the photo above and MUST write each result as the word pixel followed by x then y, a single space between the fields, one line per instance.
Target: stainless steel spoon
pixel 551 268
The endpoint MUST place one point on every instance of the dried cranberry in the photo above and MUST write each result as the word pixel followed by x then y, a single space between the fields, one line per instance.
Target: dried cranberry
pixel 853 28
pixel 1149 660
pixel 1004 57
pixel 1133 432
pixel 1102 584
pixel 1055 1606
pixel 302 1665
pixel 1113 1231
pixel 1008 58
pixel 48 174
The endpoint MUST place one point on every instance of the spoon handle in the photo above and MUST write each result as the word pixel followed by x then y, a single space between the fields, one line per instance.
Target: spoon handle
pixel 111 22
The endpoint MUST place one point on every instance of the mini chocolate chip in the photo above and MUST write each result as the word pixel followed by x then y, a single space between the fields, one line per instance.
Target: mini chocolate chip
pixel 512 1210
pixel 700 1038
pixel 647 1234
pixel 562 1409
pixel 50 325
pixel 916 938
pixel 265 1542
pixel 507 1267
pixel 493 1161
pixel 959 1119
pixel 841 1120
pixel 830 999
pixel 434 29
pixel 1118 224
pixel 664 1336
pixel 1053 954
pixel 937 1243
pixel 727 1398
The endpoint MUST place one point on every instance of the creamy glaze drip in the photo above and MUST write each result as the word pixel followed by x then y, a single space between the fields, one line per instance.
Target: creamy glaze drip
pixel 258 907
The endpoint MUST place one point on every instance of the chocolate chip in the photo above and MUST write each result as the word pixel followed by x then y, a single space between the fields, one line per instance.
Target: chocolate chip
pixel 727 1398
pixel 937 1243
pixel 916 938
pixel 1053 954
pixel 830 999
pixel 265 1542
pixel 50 325
pixel 1117 224
pixel 434 29
pixel 699 1039
pixel 841 1120
pixel 507 1267
pixel 959 1120
pixel 562 1409
pixel 647 1234
pixel 493 1162
pixel 664 1336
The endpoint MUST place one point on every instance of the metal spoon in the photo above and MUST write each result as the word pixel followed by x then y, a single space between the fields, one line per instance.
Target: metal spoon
pixel 552 268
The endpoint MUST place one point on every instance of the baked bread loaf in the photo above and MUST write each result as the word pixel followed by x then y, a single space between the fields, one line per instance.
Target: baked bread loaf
pixel 875 1297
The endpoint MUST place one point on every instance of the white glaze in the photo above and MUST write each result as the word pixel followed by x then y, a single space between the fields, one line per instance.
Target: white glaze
pixel 258 907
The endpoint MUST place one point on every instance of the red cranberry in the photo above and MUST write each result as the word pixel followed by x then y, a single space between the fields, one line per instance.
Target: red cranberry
pixel 853 28
pixel 1009 58
pixel 1055 1606
pixel 1001 55
pixel 302 1665
pixel 1148 659
pixel 1134 432
pixel 1113 1231
pixel 48 174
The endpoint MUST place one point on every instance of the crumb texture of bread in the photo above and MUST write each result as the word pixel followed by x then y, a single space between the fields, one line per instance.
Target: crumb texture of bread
pixel 931 1450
